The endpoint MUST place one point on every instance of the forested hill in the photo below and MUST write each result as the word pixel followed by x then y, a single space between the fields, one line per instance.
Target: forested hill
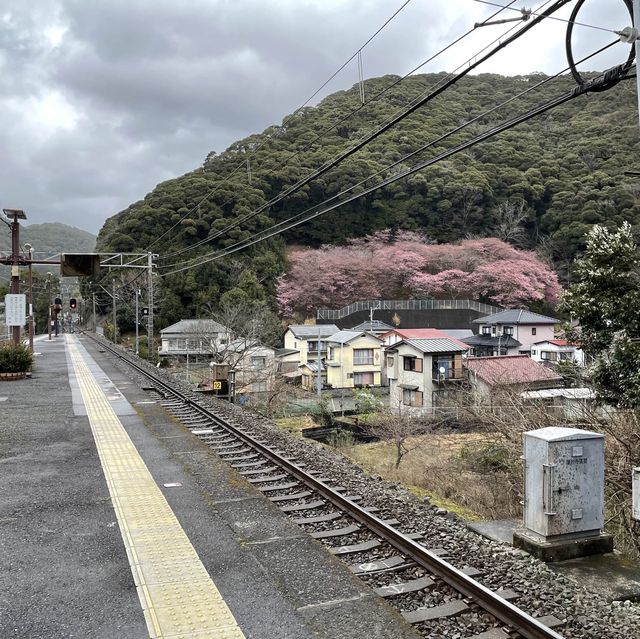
pixel 53 238
pixel 541 184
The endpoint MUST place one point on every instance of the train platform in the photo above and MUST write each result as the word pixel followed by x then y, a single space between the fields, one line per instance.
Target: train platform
pixel 117 523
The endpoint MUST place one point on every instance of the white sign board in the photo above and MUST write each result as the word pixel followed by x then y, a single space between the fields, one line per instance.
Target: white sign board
pixel 635 513
pixel 15 309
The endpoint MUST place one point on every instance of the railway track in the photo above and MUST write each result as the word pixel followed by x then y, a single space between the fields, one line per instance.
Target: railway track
pixel 419 580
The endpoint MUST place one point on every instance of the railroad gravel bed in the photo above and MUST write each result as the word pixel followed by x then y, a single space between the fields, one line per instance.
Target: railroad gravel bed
pixel 541 591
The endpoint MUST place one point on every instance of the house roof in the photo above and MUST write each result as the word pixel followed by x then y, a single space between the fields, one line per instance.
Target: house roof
pixel 195 326
pixel 423 333
pixel 516 316
pixel 510 369
pixel 458 333
pixel 558 342
pixel 567 393
pixel 435 345
pixel 504 341
pixel 313 366
pixel 309 331
pixel 283 352
pixel 344 337
pixel 375 326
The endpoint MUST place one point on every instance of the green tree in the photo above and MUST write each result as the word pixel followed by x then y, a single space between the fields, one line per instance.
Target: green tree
pixel 605 301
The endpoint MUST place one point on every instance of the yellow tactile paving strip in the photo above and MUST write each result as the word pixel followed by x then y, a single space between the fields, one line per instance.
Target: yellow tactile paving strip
pixel 179 599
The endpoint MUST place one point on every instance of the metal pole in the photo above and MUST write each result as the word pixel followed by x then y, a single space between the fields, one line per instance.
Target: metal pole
pixel 137 322
pixel 95 324
pixel 15 269
pixel 115 326
pixel 319 374
pixel 150 302
pixel 50 313
pixel 636 24
pixel 31 299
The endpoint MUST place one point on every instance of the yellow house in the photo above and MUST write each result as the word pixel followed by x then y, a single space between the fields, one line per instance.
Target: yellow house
pixel 353 360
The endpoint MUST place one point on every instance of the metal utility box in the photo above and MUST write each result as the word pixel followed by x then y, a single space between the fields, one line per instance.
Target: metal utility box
pixel 563 483
pixel 635 489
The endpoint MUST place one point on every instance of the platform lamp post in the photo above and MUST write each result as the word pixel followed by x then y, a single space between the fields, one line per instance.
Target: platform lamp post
pixel 15 215
pixel 30 251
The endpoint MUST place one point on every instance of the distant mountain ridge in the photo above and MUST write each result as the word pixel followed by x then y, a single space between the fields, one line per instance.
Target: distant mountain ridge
pixel 53 238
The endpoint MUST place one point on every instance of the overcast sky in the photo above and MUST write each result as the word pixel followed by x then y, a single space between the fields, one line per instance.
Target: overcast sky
pixel 102 99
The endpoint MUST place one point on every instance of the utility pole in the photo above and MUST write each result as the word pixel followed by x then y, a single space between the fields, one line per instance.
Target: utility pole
pixel 636 24
pixel 319 374
pixel 16 214
pixel 95 324
pixel 150 302
pixel 30 249
pixel 137 323
pixel 115 326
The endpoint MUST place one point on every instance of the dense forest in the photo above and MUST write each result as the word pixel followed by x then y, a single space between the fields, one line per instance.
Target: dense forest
pixel 540 186
pixel 52 238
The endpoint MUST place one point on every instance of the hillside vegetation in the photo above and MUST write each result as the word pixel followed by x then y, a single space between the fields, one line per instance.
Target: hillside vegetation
pixel 53 238
pixel 539 186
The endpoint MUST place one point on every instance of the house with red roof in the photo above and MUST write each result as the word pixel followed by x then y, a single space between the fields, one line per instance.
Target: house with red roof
pixel 517 373
pixel 551 351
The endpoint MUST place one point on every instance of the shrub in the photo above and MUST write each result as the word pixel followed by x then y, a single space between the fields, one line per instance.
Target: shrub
pixel 15 358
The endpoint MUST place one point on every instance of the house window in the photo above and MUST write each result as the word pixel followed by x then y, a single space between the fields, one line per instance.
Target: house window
pixel 362 356
pixel 486 330
pixel 533 330
pixel 493 330
pixel 411 397
pixel 390 362
pixel 412 364
pixel 259 387
pixel 295 345
pixel 507 330
pixel 258 361
pixel 534 351
pixel 565 357
pixel 363 379
pixel 548 356
pixel 182 344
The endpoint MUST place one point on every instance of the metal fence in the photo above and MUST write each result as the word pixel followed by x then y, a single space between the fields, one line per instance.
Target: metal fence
pixel 406 305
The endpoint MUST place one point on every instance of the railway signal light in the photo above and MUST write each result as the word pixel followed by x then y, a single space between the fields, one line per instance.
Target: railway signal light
pixel 73 305
pixel 145 311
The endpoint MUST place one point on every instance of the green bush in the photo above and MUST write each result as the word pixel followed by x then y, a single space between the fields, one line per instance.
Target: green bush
pixel 15 358
pixel 487 458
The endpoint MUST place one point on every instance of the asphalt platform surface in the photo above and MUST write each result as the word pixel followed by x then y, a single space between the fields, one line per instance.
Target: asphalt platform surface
pixel 63 568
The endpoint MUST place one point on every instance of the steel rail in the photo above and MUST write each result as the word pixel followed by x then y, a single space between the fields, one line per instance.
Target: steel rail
pixel 514 617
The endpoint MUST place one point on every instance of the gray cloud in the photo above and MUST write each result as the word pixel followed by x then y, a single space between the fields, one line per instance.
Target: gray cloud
pixel 102 99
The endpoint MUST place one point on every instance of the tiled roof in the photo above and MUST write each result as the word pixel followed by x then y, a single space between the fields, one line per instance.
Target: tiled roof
pixel 436 345
pixel 422 333
pixel 309 331
pixel 504 341
pixel 344 337
pixel 558 342
pixel 195 326
pixel 516 316
pixel 510 369
pixel 376 325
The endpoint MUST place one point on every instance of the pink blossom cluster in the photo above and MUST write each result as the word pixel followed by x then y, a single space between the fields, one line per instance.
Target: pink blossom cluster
pixel 407 265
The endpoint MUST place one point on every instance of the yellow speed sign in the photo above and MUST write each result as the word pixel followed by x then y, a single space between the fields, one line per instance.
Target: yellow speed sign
pixel 217 385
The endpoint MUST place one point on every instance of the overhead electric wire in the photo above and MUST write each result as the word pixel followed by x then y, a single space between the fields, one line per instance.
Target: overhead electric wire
pixel 533 13
pixel 433 92
pixel 241 165
pixel 554 102
pixel 399 116
pixel 377 96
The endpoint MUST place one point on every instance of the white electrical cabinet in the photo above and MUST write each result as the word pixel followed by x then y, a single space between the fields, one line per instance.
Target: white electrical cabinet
pixel 636 493
pixel 563 483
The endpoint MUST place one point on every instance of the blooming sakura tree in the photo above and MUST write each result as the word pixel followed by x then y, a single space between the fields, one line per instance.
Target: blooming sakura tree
pixel 408 265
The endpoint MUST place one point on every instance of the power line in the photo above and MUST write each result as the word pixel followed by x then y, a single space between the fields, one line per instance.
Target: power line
pixel 241 165
pixel 576 92
pixel 533 13
pixel 434 92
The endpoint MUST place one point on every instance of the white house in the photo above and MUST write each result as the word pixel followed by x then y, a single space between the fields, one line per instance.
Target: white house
pixel 557 350
pixel 194 337
pixel 420 372
pixel 302 341
pixel 254 364
pixel 511 332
